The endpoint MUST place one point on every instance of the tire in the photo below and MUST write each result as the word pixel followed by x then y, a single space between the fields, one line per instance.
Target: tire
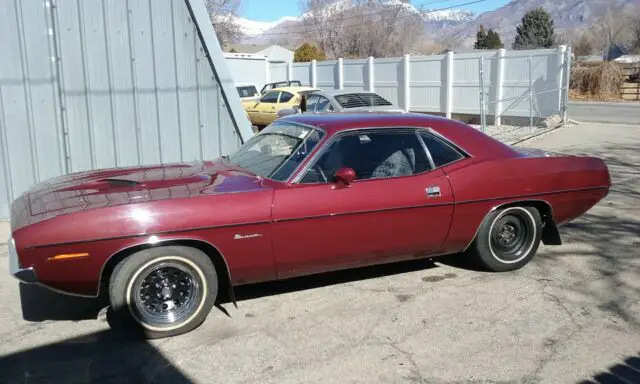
pixel 507 239
pixel 177 286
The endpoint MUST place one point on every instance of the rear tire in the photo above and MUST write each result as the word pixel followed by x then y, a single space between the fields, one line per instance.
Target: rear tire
pixel 161 292
pixel 507 239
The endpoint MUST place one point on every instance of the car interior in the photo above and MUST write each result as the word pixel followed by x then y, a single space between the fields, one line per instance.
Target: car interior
pixel 371 156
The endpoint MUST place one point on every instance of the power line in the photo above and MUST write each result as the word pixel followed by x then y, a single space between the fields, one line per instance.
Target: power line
pixel 422 13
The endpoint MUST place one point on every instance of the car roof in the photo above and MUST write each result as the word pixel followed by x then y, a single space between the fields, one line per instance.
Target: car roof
pixel 293 89
pixel 471 140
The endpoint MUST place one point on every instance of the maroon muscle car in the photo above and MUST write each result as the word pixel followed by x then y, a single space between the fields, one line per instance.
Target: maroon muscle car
pixel 309 194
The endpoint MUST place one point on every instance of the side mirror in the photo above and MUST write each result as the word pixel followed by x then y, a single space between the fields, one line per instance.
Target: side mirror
pixel 345 175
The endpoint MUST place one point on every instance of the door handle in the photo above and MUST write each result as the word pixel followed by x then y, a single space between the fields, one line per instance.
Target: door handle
pixel 433 191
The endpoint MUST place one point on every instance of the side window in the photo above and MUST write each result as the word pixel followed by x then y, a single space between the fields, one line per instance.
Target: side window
pixel 271 97
pixel 323 102
pixel 312 100
pixel 371 155
pixel 441 152
pixel 285 97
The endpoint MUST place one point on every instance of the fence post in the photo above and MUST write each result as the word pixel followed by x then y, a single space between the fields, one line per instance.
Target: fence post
pixel 448 107
pixel 314 76
pixel 567 82
pixel 289 71
pixel 340 74
pixel 483 115
pixel 370 67
pixel 530 92
pixel 499 87
pixel 267 68
pixel 561 53
pixel 406 82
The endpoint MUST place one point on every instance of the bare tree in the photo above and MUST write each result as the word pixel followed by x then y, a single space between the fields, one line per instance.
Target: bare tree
pixel 222 14
pixel 609 30
pixel 361 28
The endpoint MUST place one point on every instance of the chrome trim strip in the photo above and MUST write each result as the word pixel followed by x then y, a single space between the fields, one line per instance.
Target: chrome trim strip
pixel 364 212
pixel 425 149
pixel 148 234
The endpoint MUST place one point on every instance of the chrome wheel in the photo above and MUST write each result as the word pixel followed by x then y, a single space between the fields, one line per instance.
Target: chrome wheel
pixel 512 235
pixel 166 294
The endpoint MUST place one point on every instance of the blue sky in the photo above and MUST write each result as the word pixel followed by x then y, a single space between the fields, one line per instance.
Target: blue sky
pixel 266 10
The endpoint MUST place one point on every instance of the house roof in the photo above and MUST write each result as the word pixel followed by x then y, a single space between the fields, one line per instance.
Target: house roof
pixel 245 48
pixel 251 48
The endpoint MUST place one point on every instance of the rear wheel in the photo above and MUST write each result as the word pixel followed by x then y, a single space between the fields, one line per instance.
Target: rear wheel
pixel 507 239
pixel 163 291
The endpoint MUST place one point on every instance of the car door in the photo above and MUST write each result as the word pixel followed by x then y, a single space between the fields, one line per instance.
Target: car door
pixel 264 108
pixel 399 206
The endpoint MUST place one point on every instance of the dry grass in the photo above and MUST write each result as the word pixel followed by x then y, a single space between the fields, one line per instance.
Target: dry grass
pixel 601 82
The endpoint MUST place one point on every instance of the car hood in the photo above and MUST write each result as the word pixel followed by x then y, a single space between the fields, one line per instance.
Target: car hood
pixel 117 186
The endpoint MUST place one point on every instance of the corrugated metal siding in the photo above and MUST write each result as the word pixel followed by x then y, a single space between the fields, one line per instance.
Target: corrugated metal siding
pixel 90 84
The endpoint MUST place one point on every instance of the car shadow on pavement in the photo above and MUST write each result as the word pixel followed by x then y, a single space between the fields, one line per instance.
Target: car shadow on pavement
pixel 104 357
pixel 41 304
pixel 626 372
pixel 608 237
pixel 278 287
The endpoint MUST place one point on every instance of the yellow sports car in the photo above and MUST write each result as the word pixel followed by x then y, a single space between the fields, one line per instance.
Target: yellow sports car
pixel 264 111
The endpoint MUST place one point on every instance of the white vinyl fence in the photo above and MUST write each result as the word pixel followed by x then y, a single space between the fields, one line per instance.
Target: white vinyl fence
pixel 532 82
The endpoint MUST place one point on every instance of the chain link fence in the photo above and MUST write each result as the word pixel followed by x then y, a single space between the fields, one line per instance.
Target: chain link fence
pixel 533 96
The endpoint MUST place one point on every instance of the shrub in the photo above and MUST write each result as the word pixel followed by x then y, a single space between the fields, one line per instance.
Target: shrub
pixel 604 80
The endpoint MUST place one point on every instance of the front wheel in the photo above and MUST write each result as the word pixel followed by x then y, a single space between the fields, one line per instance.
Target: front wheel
pixel 507 239
pixel 163 291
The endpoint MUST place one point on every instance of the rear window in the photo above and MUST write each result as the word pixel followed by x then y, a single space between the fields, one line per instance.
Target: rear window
pixel 295 82
pixel 285 97
pixel 441 152
pixel 247 91
pixel 359 100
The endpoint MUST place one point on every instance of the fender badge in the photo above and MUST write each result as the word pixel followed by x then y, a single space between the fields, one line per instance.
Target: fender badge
pixel 238 236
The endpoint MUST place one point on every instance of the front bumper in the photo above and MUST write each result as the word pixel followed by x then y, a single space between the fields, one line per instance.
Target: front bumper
pixel 27 275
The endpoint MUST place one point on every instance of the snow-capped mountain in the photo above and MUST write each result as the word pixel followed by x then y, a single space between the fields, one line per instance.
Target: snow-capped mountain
pixel 261 31
pixel 256 28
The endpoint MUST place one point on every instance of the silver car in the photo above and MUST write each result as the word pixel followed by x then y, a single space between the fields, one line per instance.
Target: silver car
pixel 342 101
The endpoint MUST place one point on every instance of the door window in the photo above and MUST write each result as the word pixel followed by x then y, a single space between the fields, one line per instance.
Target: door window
pixel 372 155
pixel 271 97
pixel 312 100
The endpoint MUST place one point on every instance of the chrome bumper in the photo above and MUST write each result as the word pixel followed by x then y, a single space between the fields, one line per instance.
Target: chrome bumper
pixel 27 275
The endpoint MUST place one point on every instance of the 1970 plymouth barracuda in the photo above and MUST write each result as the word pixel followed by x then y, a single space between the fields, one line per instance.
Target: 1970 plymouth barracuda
pixel 309 194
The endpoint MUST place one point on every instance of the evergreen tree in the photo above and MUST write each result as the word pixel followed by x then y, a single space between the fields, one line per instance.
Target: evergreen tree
pixel 536 30
pixel 493 40
pixel 481 39
pixel 308 52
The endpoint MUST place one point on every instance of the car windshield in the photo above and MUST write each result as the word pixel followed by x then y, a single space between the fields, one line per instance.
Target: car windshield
pixel 277 150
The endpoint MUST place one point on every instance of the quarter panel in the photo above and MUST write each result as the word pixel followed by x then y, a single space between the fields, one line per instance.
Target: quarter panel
pixel 570 185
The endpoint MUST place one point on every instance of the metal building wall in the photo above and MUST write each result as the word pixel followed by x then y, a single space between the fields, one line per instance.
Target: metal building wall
pixel 88 84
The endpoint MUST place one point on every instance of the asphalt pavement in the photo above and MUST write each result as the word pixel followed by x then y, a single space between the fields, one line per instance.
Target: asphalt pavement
pixel 572 315
pixel 601 112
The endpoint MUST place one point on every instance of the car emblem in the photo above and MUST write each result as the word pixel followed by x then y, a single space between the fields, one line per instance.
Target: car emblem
pixel 238 236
